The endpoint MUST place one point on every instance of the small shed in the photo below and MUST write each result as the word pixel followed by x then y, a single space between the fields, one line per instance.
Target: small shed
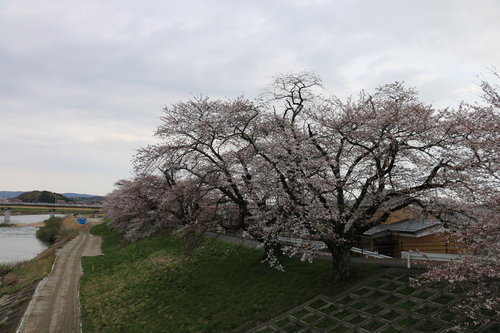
pixel 411 234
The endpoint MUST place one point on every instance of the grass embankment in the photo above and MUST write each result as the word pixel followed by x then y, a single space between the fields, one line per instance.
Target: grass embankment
pixel 19 275
pixel 150 286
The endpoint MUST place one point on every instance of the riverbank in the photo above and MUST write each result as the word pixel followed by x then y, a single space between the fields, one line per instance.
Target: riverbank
pixel 22 225
pixel 20 285
pixel 23 272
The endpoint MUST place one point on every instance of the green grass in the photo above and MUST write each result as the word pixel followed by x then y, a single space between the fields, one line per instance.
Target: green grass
pixel 327 322
pixel 443 299
pixel 373 325
pixel 390 287
pixel 423 294
pixel 406 304
pixel 356 319
pixel 426 310
pixel 342 314
pixel 390 315
pixel 408 321
pixel 373 310
pixel 429 326
pixel 361 291
pixel 406 290
pixel 318 304
pixel 391 299
pixel 377 283
pixel 151 286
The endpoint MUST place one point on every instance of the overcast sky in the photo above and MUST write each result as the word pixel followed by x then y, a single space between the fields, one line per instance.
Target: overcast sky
pixel 83 83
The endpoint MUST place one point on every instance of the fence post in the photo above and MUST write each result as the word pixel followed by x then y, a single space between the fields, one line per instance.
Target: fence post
pixel 409 259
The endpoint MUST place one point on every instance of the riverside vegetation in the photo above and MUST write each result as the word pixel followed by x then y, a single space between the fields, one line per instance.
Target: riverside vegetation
pixel 50 231
pixel 15 276
pixel 154 285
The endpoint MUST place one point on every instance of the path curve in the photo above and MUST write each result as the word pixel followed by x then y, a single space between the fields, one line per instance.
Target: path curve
pixel 55 305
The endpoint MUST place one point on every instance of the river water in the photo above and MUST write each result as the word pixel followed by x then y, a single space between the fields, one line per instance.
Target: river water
pixel 18 244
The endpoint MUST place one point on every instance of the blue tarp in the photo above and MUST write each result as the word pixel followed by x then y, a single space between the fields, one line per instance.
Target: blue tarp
pixel 82 220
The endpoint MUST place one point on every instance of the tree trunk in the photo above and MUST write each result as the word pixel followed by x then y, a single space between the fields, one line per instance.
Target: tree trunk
pixel 341 260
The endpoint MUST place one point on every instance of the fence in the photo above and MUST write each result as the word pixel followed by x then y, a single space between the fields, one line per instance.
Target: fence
pixel 397 249
pixel 434 250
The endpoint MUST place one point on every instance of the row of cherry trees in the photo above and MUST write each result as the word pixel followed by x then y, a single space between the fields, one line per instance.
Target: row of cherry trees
pixel 300 160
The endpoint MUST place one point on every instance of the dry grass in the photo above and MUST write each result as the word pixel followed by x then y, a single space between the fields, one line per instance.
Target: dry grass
pixel 38 224
pixel 28 272
pixel 69 222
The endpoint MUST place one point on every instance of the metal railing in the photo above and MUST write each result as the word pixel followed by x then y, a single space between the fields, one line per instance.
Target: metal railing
pixel 425 250
pixel 396 249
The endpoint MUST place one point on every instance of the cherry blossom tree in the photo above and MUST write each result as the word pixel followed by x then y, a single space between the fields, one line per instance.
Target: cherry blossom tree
pixel 474 215
pixel 344 167
pixel 202 139
pixel 299 160
pixel 150 204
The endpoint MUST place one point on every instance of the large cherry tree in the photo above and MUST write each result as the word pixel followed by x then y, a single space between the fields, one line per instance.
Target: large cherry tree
pixel 346 166
pixel 300 160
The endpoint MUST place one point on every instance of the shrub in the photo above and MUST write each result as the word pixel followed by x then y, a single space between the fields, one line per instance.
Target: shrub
pixel 50 231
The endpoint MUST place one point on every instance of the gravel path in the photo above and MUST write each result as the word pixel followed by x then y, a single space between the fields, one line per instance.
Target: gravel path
pixel 55 305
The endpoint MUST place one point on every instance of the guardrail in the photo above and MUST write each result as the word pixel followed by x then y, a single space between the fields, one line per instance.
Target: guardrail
pixel 441 251
pixel 370 253
pixel 413 255
pixel 300 241
pixel 322 246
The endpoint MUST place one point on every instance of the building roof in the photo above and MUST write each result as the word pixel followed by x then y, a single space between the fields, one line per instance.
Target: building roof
pixel 413 227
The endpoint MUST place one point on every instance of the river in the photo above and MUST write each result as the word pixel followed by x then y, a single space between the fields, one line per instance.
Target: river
pixel 18 244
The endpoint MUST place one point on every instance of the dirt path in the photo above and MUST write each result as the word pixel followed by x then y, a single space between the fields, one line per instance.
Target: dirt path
pixel 55 305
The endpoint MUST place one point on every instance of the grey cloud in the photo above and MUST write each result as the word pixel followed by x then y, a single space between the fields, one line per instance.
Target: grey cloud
pixel 94 75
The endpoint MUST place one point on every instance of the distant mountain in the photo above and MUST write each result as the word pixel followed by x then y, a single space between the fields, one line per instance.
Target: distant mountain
pixel 42 196
pixel 10 194
pixel 84 197
pixel 77 195
pixel 64 196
